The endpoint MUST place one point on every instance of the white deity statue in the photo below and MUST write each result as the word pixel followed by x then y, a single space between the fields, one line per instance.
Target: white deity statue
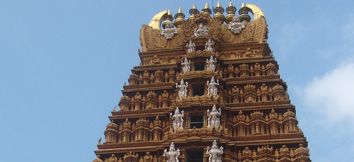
pixel 214 118
pixel 211 64
pixel 177 120
pixel 215 153
pixel 182 89
pixel 186 65
pixel 212 87
pixel 235 25
pixel 190 46
pixel 170 30
pixel 201 30
pixel 208 45
pixel 172 155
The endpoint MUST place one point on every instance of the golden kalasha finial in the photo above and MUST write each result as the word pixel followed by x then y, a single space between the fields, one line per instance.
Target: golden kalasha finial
pixel 193 11
pixel 206 8
pixel 244 10
pixel 179 17
pixel 218 4
pixel 230 10
pixel 219 12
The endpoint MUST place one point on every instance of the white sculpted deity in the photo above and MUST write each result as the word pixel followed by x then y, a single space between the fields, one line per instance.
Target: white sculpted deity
pixel 210 64
pixel 215 153
pixel 170 30
pixel 208 45
pixel 190 46
pixel 173 154
pixel 177 119
pixel 214 118
pixel 212 87
pixel 235 25
pixel 186 65
pixel 201 30
pixel 182 89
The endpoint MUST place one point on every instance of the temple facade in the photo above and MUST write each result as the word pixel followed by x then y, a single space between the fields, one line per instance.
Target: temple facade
pixel 207 90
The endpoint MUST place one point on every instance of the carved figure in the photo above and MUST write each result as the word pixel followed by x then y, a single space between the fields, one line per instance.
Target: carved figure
pixel 201 30
pixel 182 89
pixel 211 64
pixel 172 155
pixel 177 119
pixel 236 25
pixel 215 153
pixel 186 65
pixel 170 30
pixel 212 87
pixel 190 46
pixel 209 45
pixel 214 118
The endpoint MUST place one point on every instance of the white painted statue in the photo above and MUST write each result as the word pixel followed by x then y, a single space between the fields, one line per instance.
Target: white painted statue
pixel 182 89
pixel 170 30
pixel 214 118
pixel 211 64
pixel 201 31
pixel 209 45
pixel 235 25
pixel 177 119
pixel 190 46
pixel 215 153
pixel 172 155
pixel 186 65
pixel 212 87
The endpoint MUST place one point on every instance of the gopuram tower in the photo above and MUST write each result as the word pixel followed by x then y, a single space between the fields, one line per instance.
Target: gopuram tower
pixel 207 90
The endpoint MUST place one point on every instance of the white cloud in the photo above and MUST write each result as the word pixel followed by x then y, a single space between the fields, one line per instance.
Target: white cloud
pixel 332 94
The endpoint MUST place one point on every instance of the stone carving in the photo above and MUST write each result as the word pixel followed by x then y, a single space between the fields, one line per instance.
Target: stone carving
pixel 148 157
pixel 201 31
pixel 236 25
pixel 212 87
pixel 186 65
pixel 190 46
pixel 172 155
pixel 113 158
pixel 170 30
pixel 182 89
pixel 255 31
pixel 215 153
pixel 211 64
pixel 214 118
pixel 130 157
pixel 209 45
pixel 177 119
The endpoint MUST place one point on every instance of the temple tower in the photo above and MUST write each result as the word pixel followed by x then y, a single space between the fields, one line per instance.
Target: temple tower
pixel 207 90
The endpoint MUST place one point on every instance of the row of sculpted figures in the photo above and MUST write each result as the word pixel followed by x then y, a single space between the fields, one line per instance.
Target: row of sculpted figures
pixel 216 153
pixel 252 93
pixel 147 100
pixel 250 70
pixel 152 77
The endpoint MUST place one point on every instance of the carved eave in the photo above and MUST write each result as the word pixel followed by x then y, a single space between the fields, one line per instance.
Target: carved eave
pixel 151 39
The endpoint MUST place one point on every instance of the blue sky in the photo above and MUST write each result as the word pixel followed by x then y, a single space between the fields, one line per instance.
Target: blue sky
pixel 63 64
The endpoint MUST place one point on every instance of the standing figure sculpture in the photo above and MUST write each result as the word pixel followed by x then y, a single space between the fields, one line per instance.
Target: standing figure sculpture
pixel 211 64
pixel 212 87
pixel 214 118
pixel 236 25
pixel 182 89
pixel 177 120
pixel 209 45
pixel 169 30
pixel 186 65
pixel 172 155
pixel 190 46
pixel 201 31
pixel 215 153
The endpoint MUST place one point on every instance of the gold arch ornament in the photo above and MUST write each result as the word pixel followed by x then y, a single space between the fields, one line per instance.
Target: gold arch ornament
pixel 256 11
pixel 156 20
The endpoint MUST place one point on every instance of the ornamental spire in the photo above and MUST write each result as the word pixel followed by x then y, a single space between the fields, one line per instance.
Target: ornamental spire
pixel 230 10
pixel 193 11
pixel 206 8
pixel 219 12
